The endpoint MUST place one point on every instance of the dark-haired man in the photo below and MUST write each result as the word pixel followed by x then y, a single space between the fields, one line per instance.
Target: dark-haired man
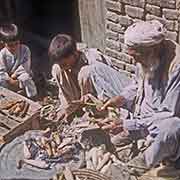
pixel 79 72
pixel 15 62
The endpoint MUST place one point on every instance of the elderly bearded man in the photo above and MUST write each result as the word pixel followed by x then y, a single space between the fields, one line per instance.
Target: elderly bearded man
pixel 156 94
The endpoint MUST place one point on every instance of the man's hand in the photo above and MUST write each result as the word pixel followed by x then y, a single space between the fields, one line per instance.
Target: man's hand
pixel 116 101
pixel 13 76
pixel 90 98
pixel 85 98
pixel 112 125
pixel 67 113
pixel 14 84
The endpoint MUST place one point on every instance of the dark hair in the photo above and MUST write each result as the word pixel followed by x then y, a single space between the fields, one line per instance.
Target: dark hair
pixel 61 46
pixel 9 32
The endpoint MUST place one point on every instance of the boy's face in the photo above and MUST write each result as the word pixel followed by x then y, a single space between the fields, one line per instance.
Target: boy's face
pixel 12 46
pixel 67 62
pixel 1 44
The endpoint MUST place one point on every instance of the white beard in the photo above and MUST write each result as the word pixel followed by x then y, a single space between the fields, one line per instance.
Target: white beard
pixel 152 67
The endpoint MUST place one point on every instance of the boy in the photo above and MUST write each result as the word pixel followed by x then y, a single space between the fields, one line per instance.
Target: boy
pixel 15 63
pixel 79 72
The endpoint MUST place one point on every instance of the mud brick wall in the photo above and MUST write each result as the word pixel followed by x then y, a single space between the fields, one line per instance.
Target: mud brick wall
pixel 122 13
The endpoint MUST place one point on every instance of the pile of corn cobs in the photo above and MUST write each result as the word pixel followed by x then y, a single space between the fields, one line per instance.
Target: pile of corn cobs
pixel 48 147
pixel 18 108
pixel 99 159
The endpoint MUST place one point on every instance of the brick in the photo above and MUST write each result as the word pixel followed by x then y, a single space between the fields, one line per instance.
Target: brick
pixel 111 16
pixel 172 25
pixel 125 20
pixel 135 20
pixel 178 38
pixel 115 45
pixel 134 12
pixel 168 4
pixel 118 64
pixel 163 3
pixel 115 27
pixel 113 6
pixel 123 47
pixel 138 3
pixel 172 35
pixel 111 53
pixel 119 55
pixel 130 68
pixel 151 17
pixel 112 35
pixel 155 10
pixel 178 4
pixel 170 14
pixel 154 2
pixel 121 38
pixel 124 57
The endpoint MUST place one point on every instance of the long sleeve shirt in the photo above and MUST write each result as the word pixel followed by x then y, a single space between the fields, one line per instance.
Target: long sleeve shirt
pixel 67 80
pixel 17 63
pixel 159 96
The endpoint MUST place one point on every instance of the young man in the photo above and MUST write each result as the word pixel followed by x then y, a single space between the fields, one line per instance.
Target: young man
pixel 157 97
pixel 15 62
pixel 79 72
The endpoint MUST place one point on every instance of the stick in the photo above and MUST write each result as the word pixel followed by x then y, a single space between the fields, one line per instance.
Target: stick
pixel 83 103
pixel 24 111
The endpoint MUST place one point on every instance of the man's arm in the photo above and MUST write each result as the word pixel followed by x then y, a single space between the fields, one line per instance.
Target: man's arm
pixel 124 100
pixel 169 107
pixel 129 93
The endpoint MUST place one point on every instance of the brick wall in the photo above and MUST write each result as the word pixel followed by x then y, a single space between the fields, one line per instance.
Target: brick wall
pixel 122 13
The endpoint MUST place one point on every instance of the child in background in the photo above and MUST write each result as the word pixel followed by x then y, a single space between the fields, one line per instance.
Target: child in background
pixel 15 63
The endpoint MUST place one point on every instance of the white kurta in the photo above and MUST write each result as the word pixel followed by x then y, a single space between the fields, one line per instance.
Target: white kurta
pixel 93 73
pixel 20 65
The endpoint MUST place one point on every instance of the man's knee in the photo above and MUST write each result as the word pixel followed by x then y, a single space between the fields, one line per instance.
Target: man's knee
pixel 170 127
pixel 166 143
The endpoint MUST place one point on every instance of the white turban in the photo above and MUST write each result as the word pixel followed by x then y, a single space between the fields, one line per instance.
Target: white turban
pixel 9 31
pixel 144 34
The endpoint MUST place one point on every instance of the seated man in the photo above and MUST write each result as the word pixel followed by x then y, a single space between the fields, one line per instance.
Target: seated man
pixel 80 72
pixel 157 101
pixel 15 62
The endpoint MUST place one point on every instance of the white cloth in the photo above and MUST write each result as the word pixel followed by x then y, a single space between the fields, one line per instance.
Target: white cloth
pixel 144 34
